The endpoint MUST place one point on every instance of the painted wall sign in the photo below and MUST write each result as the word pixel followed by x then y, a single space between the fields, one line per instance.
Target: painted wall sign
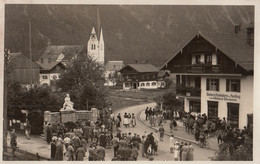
pixel 223 96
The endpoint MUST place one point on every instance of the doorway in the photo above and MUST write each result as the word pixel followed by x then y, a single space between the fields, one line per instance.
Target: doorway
pixel 197 82
pixel 233 113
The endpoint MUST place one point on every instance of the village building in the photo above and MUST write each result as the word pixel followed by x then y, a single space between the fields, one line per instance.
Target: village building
pixel 23 70
pixel 214 75
pixel 112 73
pixel 141 76
pixel 55 57
pixel 54 60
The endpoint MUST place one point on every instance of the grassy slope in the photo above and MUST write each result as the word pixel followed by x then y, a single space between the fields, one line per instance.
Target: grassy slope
pixel 121 99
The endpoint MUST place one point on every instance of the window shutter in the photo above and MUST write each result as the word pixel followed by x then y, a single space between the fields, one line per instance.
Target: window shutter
pixel 207 85
pixel 217 83
pixel 238 85
pixel 227 84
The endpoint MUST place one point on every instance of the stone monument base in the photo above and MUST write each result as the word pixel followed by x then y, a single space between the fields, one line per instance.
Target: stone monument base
pixel 68 116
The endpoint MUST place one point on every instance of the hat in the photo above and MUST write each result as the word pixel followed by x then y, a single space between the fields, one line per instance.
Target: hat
pixel 54 138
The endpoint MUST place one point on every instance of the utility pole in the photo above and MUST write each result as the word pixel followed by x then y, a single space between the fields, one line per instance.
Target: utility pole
pixel 30 49
pixel 5 120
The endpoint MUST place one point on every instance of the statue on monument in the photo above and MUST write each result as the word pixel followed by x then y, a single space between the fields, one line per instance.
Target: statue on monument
pixel 68 105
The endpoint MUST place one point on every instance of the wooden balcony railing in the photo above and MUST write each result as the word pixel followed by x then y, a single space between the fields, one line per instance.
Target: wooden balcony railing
pixel 203 68
pixel 188 91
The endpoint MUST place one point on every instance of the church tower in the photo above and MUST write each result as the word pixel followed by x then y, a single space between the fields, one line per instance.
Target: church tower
pixel 96 46
pixel 93 45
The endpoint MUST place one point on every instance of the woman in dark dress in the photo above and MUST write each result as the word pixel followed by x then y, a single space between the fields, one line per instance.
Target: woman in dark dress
pixel 53 149
pixel 48 134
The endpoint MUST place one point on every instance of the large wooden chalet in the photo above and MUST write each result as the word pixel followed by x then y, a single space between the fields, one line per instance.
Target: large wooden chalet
pixel 214 75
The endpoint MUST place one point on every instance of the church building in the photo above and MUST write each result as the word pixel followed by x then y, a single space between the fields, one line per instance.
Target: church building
pixel 96 47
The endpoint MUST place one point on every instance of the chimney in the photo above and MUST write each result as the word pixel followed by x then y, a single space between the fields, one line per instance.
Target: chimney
pixel 250 34
pixel 237 28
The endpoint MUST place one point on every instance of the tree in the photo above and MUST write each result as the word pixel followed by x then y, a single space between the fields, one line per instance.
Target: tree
pixel 84 81
pixel 114 77
pixel 170 101
pixel 227 152
pixel 36 101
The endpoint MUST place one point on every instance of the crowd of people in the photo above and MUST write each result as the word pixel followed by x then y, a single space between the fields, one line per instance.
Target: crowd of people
pixel 182 151
pixel 73 145
pixel 224 130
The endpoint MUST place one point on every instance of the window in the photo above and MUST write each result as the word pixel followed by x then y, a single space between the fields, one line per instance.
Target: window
pixel 142 84
pixel 54 77
pixel 147 84
pixel 41 60
pixel 178 80
pixel 208 59
pixel 212 110
pixel 233 85
pixel 195 106
pixel 127 85
pixel 93 46
pixel 212 84
pixel 45 77
pixel 49 60
pixel 153 83
pixel 197 59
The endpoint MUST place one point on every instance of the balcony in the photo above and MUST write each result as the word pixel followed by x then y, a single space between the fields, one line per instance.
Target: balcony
pixel 203 68
pixel 188 91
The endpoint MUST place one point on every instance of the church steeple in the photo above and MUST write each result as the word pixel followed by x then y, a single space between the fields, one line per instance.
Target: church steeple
pixel 101 35
pixel 93 34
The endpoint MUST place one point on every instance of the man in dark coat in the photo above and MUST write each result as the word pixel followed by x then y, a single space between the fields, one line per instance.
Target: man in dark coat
pixel 13 142
pixel 101 153
pixel 59 152
pixel 102 139
pixel 86 133
pixel 119 120
pixel 76 142
pixel 146 113
pixel 49 133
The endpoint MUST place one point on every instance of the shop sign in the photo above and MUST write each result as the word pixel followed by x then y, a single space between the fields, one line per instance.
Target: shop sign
pixel 129 79
pixel 223 96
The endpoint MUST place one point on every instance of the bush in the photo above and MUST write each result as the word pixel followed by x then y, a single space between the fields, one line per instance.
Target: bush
pixel 36 121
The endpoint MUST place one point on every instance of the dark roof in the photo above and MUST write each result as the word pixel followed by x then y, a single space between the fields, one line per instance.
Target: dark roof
pixel 20 61
pixel 161 73
pixel 235 46
pixel 114 65
pixel 53 52
pixel 143 67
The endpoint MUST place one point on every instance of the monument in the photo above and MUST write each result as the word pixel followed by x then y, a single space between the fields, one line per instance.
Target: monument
pixel 68 105
pixel 68 113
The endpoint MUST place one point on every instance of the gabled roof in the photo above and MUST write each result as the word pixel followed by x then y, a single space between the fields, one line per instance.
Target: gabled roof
pixel 20 61
pixel 114 65
pixel 53 52
pixel 142 68
pixel 235 46
pixel 161 73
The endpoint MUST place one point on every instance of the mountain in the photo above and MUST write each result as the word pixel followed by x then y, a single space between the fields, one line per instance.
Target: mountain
pixel 131 32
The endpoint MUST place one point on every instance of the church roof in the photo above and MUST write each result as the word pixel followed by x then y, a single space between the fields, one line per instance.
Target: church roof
pixel 114 65
pixel 235 46
pixel 54 52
